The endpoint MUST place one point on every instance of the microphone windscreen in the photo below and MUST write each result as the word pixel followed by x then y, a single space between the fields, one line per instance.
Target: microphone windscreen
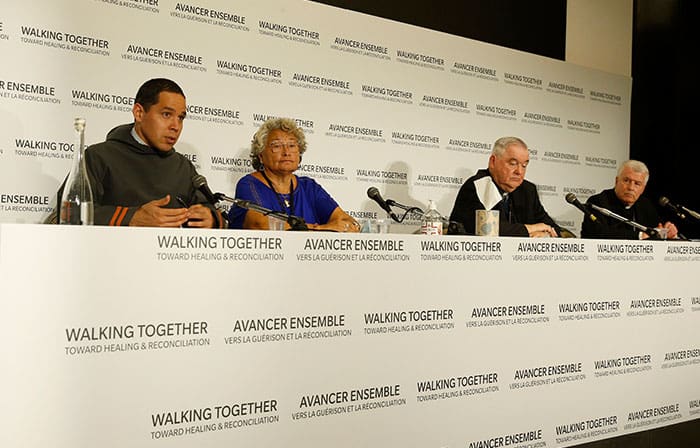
pixel 199 180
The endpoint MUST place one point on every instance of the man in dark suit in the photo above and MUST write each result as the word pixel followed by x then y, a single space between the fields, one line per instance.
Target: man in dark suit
pixel 503 187
pixel 626 200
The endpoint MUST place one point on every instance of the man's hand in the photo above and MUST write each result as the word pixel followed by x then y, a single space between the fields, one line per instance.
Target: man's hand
pixel 153 214
pixel 671 229
pixel 200 217
pixel 540 230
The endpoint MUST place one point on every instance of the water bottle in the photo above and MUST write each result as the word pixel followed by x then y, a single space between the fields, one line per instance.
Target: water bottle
pixel 76 202
pixel 431 224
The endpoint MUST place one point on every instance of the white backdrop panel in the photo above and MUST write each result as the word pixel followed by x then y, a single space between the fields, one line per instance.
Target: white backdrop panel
pixel 409 110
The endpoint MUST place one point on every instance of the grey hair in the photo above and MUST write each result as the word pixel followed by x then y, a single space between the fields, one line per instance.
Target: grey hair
pixel 257 145
pixel 637 167
pixel 499 147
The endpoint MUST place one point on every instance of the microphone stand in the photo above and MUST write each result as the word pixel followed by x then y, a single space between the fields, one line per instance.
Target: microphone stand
pixel 453 227
pixel 295 222
pixel 692 213
pixel 653 233
pixel 405 208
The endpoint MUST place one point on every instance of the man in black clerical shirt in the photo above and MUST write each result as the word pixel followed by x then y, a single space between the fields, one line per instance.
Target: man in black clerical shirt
pixel 626 200
pixel 503 187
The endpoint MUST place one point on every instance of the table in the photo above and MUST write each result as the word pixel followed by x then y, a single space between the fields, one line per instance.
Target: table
pixel 180 338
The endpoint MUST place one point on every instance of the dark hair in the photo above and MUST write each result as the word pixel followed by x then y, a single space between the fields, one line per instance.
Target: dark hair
pixel 148 93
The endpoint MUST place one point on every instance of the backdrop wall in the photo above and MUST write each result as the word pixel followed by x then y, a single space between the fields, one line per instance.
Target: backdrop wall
pixel 411 111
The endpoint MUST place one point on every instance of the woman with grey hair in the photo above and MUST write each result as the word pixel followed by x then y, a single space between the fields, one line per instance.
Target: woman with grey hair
pixel 276 152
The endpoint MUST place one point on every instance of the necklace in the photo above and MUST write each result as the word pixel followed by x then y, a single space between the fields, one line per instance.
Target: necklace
pixel 287 204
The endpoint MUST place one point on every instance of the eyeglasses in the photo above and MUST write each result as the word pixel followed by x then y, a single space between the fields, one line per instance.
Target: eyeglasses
pixel 276 146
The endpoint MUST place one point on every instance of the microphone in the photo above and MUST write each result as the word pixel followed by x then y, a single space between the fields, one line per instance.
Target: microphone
pixel 200 183
pixel 677 209
pixel 652 232
pixel 295 222
pixel 571 199
pixel 374 195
